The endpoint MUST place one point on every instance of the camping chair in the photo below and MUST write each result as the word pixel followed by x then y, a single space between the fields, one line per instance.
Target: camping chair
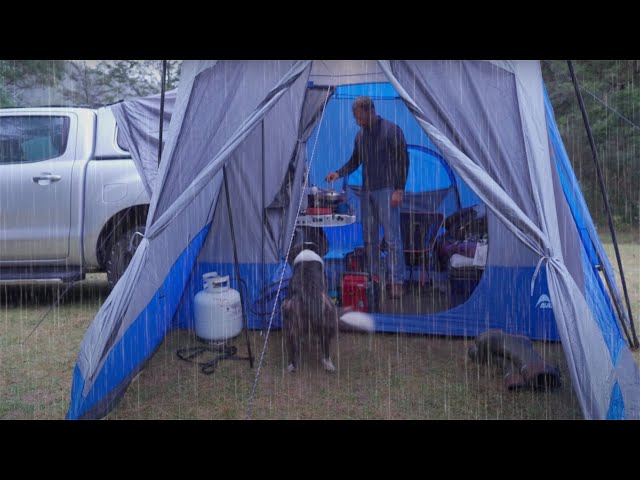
pixel 419 233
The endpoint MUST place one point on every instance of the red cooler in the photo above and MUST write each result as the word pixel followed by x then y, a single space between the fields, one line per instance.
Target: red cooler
pixel 357 291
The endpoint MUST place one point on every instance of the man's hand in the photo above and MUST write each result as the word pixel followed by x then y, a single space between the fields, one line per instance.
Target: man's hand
pixel 332 177
pixel 396 198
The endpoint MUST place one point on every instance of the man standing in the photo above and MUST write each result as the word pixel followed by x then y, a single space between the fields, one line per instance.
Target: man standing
pixel 381 148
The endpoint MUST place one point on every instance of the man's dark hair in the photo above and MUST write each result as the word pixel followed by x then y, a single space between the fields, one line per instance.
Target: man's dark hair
pixel 363 102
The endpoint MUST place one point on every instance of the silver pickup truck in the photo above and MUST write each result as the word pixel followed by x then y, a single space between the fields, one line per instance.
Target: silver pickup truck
pixel 71 199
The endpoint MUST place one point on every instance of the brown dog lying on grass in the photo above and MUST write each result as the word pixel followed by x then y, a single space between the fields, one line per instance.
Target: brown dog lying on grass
pixel 308 310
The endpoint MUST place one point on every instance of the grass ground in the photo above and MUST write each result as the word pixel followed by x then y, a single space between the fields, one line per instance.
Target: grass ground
pixel 379 376
pixel 630 255
pixel 35 374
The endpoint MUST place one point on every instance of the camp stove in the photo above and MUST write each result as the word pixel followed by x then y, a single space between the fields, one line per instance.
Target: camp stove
pixel 326 208
pixel 326 202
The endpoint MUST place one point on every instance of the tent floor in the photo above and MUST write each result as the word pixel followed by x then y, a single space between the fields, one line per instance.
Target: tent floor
pixel 415 300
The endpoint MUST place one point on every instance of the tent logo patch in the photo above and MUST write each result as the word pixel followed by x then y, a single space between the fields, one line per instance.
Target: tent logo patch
pixel 544 301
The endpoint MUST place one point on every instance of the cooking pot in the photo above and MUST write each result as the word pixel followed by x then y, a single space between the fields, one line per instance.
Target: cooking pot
pixel 326 199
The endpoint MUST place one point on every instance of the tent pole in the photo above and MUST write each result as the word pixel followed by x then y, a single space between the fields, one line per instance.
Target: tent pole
pixel 585 118
pixel 237 264
pixel 264 222
pixel 162 87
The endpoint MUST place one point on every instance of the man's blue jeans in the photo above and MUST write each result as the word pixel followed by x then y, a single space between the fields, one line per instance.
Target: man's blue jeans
pixel 376 210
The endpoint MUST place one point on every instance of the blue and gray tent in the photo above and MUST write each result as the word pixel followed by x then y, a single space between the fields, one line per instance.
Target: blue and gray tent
pixel 480 132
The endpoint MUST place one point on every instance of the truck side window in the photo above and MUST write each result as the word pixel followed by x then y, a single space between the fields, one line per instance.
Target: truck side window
pixel 33 138
pixel 10 150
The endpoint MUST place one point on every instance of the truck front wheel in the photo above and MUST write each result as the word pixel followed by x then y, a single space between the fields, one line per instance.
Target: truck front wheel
pixel 121 254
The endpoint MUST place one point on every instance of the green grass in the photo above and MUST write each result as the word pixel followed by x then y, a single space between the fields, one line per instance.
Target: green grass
pixel 379 376
pixel 35 373
pixel 630 255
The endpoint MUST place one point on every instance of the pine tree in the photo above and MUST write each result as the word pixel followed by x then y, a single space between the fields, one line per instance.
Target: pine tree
pixel 610 89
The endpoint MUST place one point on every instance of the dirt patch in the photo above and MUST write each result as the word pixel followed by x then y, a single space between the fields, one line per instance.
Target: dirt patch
pixel 39 397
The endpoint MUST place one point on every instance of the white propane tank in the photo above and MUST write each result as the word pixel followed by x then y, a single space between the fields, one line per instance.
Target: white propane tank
pixel 206 279
pixel 218 311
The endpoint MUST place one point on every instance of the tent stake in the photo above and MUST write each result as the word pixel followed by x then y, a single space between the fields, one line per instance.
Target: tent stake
pixel 634 344
pixel 235 257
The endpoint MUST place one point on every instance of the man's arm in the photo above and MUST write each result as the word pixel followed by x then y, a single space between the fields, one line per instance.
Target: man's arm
pixel 400 160
pixel 353 163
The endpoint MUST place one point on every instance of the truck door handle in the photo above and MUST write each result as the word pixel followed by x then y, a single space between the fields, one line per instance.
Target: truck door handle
pixel 46 178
